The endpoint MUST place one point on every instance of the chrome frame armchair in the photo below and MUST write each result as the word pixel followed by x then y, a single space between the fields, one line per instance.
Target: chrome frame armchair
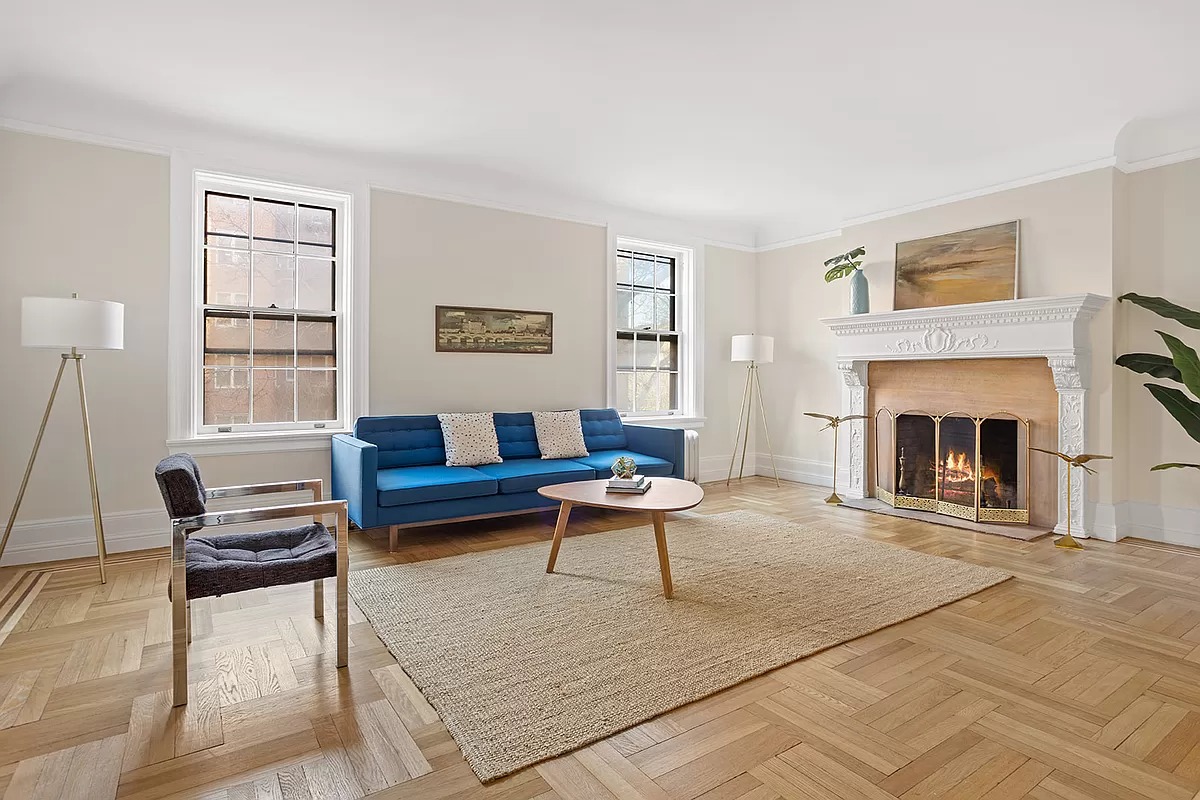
pixel 182 528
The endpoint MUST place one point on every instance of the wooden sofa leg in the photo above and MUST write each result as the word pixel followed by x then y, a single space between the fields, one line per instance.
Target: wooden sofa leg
pixel 343 600
pixel 393 538
pixel 319 598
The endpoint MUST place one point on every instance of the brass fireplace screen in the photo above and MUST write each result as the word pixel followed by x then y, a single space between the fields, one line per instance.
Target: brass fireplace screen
pixel 973 468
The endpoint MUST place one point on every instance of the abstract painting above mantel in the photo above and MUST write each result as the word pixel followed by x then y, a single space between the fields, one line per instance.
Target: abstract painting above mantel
pixel 972 266
pixel 467 329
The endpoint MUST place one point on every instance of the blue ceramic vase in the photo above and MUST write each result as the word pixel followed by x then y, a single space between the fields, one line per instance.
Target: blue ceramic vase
pixel 860 297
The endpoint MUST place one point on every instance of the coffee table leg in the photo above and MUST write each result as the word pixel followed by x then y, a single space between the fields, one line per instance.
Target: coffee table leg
pixel 660 539
pixel 564 513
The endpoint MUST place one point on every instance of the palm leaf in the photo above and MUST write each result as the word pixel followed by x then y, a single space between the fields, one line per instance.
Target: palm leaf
pixel 839 272
pixel 1186 360
pixel 1158 467
pixel 1151 364
pixel 1182 407
pixel 1165 308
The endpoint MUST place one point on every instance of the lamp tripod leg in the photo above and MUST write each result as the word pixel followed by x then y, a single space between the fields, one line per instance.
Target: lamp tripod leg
pixel 738 435
pixel 37 443
pixel 91 463
pixel 762 412
pixel 749 409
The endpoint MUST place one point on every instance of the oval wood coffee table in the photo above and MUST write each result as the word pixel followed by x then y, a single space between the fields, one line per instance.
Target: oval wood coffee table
pixel 664 494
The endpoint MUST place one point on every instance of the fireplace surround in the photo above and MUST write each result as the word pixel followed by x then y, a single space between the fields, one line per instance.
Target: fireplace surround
pixel 1050 328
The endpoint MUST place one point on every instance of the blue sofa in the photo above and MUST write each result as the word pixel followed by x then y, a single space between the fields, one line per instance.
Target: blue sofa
pixel 393 469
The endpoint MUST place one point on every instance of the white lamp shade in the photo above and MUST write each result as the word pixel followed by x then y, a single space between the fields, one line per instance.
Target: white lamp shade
pixel 752 347
pixel 65 322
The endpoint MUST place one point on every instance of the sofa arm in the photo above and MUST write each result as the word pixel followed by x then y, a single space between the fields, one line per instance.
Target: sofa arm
pixel 664 443
pixel 354 468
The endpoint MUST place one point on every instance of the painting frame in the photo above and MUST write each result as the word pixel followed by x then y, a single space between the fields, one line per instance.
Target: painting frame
pixel 985 274
pixel 489 340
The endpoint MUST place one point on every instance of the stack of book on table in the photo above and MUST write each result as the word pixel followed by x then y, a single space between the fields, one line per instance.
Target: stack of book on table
pixel 638 484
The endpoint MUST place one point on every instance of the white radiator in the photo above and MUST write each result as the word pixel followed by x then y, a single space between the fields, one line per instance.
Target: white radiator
pixel 691 455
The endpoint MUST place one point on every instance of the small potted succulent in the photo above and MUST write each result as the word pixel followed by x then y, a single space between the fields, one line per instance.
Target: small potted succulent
pixel 850 263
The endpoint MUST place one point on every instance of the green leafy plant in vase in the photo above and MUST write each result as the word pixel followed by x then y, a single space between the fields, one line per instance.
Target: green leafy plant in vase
pixel 850 263
pixel 1182 367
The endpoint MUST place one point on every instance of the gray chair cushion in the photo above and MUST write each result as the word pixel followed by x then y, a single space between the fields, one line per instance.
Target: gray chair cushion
pixel 179 481
pixel 236 562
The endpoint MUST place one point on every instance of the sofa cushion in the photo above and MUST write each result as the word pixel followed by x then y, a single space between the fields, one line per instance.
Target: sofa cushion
pixel 470 439
pixel 559 434
pixel 402 486
pixel 602 429
pixel 528 474
pixel 516 433
pixel 602 462
pixel 404 441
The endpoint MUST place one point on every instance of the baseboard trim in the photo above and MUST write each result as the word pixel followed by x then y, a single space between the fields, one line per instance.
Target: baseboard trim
pixel 75 537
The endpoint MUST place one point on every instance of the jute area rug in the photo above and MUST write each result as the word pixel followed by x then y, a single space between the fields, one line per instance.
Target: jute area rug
pixel 523 666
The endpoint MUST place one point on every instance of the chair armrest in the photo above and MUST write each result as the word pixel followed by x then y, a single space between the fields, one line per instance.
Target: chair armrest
pixel 354 467
pixel 237 517
pixel 665 443
pixel 313 484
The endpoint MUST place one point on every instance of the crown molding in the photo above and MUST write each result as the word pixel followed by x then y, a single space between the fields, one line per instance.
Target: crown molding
pixel 1163 160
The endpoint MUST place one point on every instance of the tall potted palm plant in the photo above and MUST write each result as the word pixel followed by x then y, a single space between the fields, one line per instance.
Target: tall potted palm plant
pixel 1181 367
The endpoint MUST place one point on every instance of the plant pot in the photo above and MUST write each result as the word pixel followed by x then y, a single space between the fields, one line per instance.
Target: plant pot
pixel 860 296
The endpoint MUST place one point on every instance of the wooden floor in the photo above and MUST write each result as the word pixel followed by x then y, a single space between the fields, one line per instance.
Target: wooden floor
pixel 1078 679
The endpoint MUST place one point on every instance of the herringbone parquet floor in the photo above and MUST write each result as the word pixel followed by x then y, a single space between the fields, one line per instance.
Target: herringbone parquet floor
pixel 1079 679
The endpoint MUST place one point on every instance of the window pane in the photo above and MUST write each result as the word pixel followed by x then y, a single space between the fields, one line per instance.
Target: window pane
pixel 316 226
pixel 624 391
pixel 642 313
pixel 643 269
pixel 315 339
pixel 653 391
pixel 624 352
pixel 662 312
pixel 664 275
pixel 624 308
pixel 274 341
pixel 227 340
pixel 668 353
pixel 624 267
pixel 647 352
pixel 227 215
pixel 226 396
pixel 226 277
pixel 274 226
pixel 274 399
pixel 316 394
pixel 316 284
pixel 274 280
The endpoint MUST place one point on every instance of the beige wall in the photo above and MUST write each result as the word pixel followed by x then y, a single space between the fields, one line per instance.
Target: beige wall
pixel 93 220
pixel 730 308
pixel 426 252
pixel 1162 221
pixel 1066 247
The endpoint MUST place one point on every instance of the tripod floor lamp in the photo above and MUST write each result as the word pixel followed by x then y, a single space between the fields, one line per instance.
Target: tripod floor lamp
pixel 756 350
pixel 69 323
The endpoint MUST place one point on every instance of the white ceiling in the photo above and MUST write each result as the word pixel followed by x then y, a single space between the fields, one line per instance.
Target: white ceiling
pixel 790 116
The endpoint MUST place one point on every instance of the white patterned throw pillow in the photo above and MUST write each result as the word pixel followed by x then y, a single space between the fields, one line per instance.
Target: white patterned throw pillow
pixel 470 439
pixel 559 434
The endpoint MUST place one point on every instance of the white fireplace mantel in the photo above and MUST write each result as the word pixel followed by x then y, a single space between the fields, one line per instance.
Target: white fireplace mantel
pixel 1054 328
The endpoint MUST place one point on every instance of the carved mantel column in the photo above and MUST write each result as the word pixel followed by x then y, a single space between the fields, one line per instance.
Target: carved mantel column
pixel 1070 380
pixel 854 401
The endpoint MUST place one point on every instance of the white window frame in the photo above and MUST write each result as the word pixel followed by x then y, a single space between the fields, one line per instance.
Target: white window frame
pixel 688 303
pixel 188 431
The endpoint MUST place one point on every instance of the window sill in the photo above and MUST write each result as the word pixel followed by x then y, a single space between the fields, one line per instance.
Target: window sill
pixel 670 421
pixel 225 444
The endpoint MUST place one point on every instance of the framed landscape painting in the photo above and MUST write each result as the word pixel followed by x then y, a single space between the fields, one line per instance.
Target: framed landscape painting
pixel 466 329
pixel 973 266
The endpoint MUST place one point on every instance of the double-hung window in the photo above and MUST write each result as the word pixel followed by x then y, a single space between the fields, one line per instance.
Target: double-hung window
pixel 652 358
pixel 271 307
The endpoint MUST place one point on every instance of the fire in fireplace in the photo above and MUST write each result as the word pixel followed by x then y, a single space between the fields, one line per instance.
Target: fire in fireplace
pixel 958 464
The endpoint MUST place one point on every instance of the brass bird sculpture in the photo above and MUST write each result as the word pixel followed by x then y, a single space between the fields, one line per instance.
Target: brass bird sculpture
pixel 1067 541
pixel 833 422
